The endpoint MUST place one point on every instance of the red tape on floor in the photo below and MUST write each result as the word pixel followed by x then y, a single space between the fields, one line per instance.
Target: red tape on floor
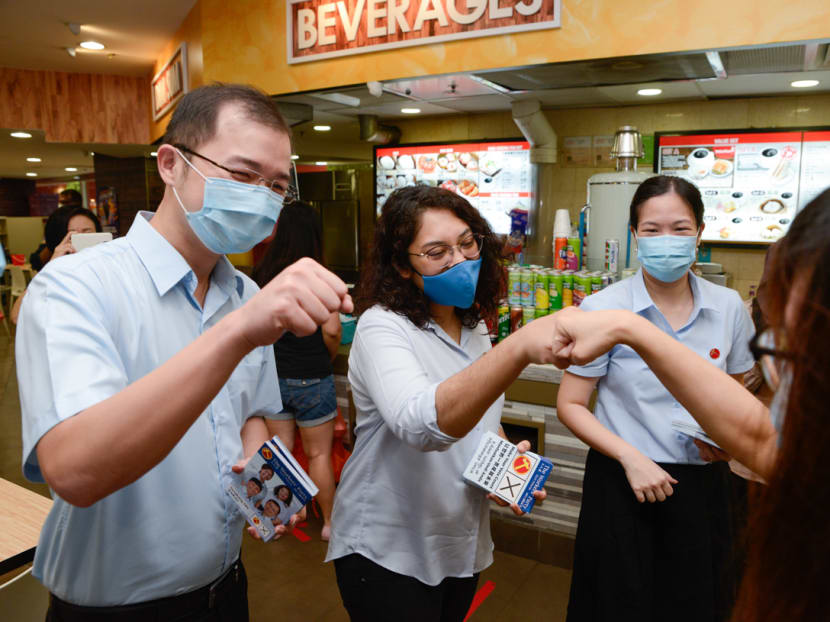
pixel 483 592
pixel 300 535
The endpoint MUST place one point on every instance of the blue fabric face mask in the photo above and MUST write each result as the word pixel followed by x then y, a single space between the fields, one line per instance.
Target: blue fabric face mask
pixel 455 287
pixel 667 257
pixel 234 217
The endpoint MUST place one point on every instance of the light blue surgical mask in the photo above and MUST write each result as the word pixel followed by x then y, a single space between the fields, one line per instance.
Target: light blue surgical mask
pixel 235 216
pixel 667 257
pixel 455 287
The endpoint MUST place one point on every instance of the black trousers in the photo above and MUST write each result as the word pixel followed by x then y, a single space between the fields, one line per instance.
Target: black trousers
pixel 224 600
pixel 669 560
pixel 371 593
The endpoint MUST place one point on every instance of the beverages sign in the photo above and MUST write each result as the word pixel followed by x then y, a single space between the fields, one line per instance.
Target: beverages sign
pixel 319 29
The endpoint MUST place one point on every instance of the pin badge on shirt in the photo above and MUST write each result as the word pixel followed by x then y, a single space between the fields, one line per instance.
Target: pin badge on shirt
pixel 714 353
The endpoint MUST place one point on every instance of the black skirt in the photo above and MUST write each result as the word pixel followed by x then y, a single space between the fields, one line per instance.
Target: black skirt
pixel 662 561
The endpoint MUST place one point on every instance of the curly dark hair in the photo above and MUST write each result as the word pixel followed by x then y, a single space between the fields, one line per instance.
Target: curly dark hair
pixel 382 284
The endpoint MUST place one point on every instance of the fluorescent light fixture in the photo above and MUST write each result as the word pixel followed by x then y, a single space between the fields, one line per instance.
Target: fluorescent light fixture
pixel 410 110
pixel 321 163
pixel 804 84
pixel 92 45
pixel 649 92
pixel 31 174
pixel 71 169
pixel 294 156
pixel 33 159
pixel 21 135
pixel 322 128
pixel 153 154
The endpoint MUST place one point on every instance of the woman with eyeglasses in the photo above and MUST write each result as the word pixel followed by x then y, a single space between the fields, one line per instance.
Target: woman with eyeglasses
pixel 409 537
pixel 788 557
pixel 653 540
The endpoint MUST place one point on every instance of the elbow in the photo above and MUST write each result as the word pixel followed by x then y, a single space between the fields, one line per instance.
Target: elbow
pixel 69 486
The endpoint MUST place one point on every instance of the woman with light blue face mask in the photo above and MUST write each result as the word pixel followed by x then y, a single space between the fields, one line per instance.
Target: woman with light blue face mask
pixel 409 536
pixel 647 485
pixel 788 541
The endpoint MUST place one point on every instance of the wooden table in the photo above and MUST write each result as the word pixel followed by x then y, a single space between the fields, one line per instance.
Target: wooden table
pixel 22 514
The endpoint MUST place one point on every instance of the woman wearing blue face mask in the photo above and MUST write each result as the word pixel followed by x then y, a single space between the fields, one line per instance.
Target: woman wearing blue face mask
pixel 653 541
pixel 409 537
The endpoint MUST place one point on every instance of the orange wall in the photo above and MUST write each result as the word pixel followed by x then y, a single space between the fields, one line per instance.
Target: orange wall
pixel 75 107
pixel 245 41
pixel 190 32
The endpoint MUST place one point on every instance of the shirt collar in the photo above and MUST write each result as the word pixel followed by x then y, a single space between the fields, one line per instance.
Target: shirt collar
pixel 642 301
pixel 165 264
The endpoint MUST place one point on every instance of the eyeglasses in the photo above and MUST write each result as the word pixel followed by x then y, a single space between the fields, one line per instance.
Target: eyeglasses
pixel 440 255
pixel 250 177
pixel 770 359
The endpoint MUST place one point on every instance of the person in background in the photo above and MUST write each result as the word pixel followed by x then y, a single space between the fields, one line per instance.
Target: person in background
pixel 653 539
pixel 304 363
pixel 409 536
pixel 67 200
pixel 788 557
pixel 145 369
pixel 60 227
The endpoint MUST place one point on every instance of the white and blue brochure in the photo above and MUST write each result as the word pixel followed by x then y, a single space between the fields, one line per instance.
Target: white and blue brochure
pixel 272 488
pixel 499 468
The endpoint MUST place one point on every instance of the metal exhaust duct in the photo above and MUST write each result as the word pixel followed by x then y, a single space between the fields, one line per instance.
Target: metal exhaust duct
pixel 373 132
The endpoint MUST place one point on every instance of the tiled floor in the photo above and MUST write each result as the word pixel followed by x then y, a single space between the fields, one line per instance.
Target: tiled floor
pixel 288 576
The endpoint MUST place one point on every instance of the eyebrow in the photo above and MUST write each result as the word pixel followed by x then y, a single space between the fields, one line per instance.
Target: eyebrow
pixel 442 243
pixel 684 221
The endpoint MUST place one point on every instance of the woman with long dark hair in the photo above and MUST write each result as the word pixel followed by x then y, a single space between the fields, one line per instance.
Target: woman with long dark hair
pixel 653 539
pixel 304 363
pixel 409 537
pixel 788 555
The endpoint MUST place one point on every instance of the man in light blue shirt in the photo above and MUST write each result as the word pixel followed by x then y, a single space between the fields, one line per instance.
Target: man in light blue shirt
pixel 145 369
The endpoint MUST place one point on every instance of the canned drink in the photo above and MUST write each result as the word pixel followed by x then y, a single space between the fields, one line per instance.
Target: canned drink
pixel 606 279
pixel 567 289
pixel 514 286
pixel 573 254
pixel 582 287
pixel 527 282
pixel 504 320
pixel 612 255
pixel 528 313
pixel 555 284
pixel 541 298
pixel 560 253
pixel 541 313
pixel 515 318
pixel 596 282
pixel 492 329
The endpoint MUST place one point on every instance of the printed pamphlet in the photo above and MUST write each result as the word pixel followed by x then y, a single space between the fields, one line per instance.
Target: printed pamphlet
pixel 693 430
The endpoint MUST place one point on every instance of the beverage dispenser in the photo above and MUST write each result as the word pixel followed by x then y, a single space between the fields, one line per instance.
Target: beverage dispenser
pixel 608 202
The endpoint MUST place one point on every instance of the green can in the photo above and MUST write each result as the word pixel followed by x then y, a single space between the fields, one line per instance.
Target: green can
pixel 504 320
pixel 528 314
pixel 514 286
pixel 527 280
pixel 573 252
pixel 556 282
pixel 541 313
pixel 567 288
pixel 582 287
pixel 541 297
pixel 596 282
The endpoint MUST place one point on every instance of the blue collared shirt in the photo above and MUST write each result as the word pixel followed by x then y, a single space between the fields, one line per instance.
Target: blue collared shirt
pixel 402 501
pixel 631 401
pixel 91 324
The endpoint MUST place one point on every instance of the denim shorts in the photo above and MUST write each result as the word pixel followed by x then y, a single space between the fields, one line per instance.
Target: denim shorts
pixel 310 401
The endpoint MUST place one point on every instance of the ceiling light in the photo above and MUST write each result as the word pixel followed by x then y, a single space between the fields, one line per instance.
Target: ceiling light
pixel 321 163
pixel 294 156
pixel 70 169
pixel 804 84
pixel 649 92
pixel 322 128
pixel 91 153
pixel 31 174
pixel 21 135
pixel 92 45
pixel 153 154
pixel 410 110
pixel 33 159
pixel 77 177
pixel 71 52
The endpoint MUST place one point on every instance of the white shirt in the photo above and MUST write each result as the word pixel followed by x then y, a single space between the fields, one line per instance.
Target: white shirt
pixel 631 401
pixel 91 324
pixel 402 501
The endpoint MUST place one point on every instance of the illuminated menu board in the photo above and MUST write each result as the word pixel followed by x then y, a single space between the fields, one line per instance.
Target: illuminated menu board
pixel 493 176
pixel 752 183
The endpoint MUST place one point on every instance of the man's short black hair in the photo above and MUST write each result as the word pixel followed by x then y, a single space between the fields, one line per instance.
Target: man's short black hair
pixel 194 121
pixel 70 197
pixel 267 466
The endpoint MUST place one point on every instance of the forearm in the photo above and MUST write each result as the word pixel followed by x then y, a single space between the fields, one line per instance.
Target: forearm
pixel 111 444
pixel 254 433
pixel 730 414
pixel 462 399
pixel 587 428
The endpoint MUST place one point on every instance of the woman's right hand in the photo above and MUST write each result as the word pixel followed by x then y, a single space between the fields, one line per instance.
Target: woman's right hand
pixel 648 481
pixel 65 247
